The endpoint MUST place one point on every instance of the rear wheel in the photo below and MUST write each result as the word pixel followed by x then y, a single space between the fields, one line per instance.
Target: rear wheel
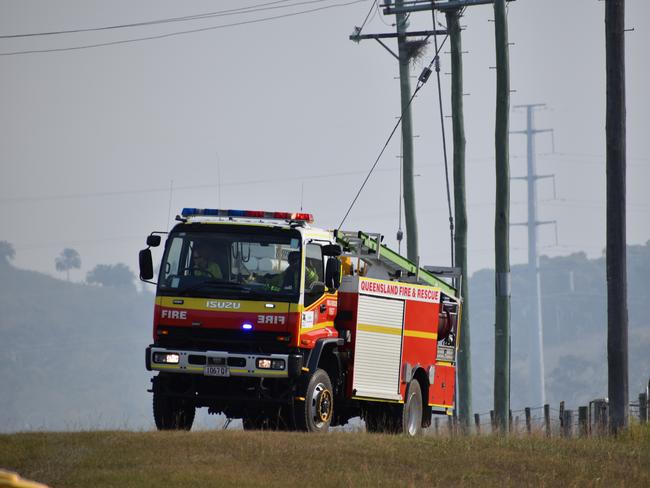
pixel 412 412
pixel 314 414
pixel 397 419
pixel 172 413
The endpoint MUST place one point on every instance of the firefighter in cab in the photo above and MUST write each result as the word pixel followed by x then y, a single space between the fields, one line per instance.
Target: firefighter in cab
pixel 204 260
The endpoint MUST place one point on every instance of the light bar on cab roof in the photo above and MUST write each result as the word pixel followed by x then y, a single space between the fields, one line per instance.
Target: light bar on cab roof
pixel 254 214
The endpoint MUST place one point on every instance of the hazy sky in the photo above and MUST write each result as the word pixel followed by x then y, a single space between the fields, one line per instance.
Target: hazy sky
pixel 100 146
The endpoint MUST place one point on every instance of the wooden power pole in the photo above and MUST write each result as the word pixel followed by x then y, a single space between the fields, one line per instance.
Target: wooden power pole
pixel 410 214
pixel 502 224
pixel 453 10
pixel 617 358
pixel 460 216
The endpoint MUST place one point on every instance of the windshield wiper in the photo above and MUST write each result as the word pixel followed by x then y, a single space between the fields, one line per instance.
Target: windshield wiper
pixel 216 284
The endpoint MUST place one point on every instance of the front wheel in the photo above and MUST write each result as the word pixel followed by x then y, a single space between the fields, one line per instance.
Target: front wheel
pixel 314 414
pixel 172 413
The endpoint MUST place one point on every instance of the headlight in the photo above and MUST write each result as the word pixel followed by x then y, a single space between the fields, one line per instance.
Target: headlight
pixel 264 364
pixel 166 358
pixel 270 364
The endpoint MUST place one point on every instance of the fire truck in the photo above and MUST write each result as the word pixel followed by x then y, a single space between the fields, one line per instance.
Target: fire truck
pixel 263 317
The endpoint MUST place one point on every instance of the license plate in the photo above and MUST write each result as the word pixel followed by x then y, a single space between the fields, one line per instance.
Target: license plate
pixel 216 371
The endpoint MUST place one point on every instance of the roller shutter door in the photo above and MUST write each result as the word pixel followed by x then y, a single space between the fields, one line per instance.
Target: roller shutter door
pixel 378 348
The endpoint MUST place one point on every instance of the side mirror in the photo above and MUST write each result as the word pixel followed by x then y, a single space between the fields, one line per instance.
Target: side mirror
pixel 316 288
pixel 153 240
pixel 333 274
pixel 332 250
pixel 146 263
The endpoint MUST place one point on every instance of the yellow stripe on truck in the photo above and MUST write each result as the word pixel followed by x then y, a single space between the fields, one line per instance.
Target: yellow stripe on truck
pixel 421 335
pixel 218 305
pixel 380 329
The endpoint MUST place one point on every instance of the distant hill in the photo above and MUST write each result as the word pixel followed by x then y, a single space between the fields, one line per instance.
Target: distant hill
pixel 72 354
pixel 574 308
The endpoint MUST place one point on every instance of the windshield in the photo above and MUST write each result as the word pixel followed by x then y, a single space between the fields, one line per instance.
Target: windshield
pixel 240 262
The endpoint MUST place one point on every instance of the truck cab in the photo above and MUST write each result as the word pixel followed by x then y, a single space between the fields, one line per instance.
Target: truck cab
pixel 242 300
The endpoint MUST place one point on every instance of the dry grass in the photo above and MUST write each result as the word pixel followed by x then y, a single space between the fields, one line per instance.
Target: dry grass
pixel 237 458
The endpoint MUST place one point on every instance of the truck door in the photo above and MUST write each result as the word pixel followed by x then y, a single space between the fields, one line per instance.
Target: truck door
pixel 319 308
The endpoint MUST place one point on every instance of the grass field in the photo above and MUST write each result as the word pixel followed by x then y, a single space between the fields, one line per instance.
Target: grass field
pixel 238 458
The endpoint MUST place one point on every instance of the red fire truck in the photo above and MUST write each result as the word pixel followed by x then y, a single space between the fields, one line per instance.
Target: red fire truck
pixel 261 316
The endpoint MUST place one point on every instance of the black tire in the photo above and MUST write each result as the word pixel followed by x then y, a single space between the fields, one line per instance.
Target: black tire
pixel 412 411
pixel 314 414
pixel 172 413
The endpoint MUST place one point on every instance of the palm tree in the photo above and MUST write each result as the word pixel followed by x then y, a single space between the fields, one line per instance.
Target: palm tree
pixel 7 252
pixel 67 260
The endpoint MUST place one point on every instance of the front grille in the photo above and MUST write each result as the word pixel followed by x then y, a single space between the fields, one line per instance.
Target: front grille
pixel 221 339
pixel 237 362
pixel 196 359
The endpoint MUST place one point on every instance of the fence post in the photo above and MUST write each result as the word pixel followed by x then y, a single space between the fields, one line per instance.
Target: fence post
pixel 567 420
pixel 547 419
pixel 509 420
pixel 643 407
pixel 492 423
pixel 561 414
pixel 477 423
pixel 600 417
pixel 528 421
pixel 450 425
pixel 582 421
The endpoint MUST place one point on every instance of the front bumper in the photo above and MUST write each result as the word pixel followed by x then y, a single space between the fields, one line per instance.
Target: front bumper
pixel 236 364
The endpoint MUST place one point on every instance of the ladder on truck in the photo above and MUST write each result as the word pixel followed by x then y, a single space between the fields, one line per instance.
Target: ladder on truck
pixel 368 247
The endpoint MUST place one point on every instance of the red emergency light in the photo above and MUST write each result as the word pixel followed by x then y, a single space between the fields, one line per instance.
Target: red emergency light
pixel 258 214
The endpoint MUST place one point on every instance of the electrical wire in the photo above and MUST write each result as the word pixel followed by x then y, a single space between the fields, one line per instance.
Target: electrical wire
pixel 219 185
pixel 421 81
pixel 444 138
pixel 179 33
pixel 372 7
pixel 207 15
pixel 381 17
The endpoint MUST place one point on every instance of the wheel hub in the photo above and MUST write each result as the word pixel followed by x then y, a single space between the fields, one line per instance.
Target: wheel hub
pixel 322 403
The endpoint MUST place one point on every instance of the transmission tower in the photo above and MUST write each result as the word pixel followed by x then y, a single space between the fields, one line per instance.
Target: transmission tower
pixel 534 299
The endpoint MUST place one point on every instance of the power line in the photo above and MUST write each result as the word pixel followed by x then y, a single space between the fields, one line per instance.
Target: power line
pixel 207 15
pixel 372 9
pixel 444 138
pixel 421 81
pixel 69 196
pixel 179 33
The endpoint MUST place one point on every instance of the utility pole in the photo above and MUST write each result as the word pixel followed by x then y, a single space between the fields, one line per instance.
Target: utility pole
pixel 410 215
pixel 502 223
pixel 617 320
pixel 460 217
pixel 453 10
pixel 536 342
pixel 403 57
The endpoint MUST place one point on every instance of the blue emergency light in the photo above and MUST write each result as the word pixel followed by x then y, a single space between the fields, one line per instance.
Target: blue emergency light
pixel 261 214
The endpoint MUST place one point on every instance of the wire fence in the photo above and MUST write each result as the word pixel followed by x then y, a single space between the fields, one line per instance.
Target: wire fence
pixel 585 420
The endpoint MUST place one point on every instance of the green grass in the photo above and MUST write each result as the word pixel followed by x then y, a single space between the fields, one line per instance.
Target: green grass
pixel 237 458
